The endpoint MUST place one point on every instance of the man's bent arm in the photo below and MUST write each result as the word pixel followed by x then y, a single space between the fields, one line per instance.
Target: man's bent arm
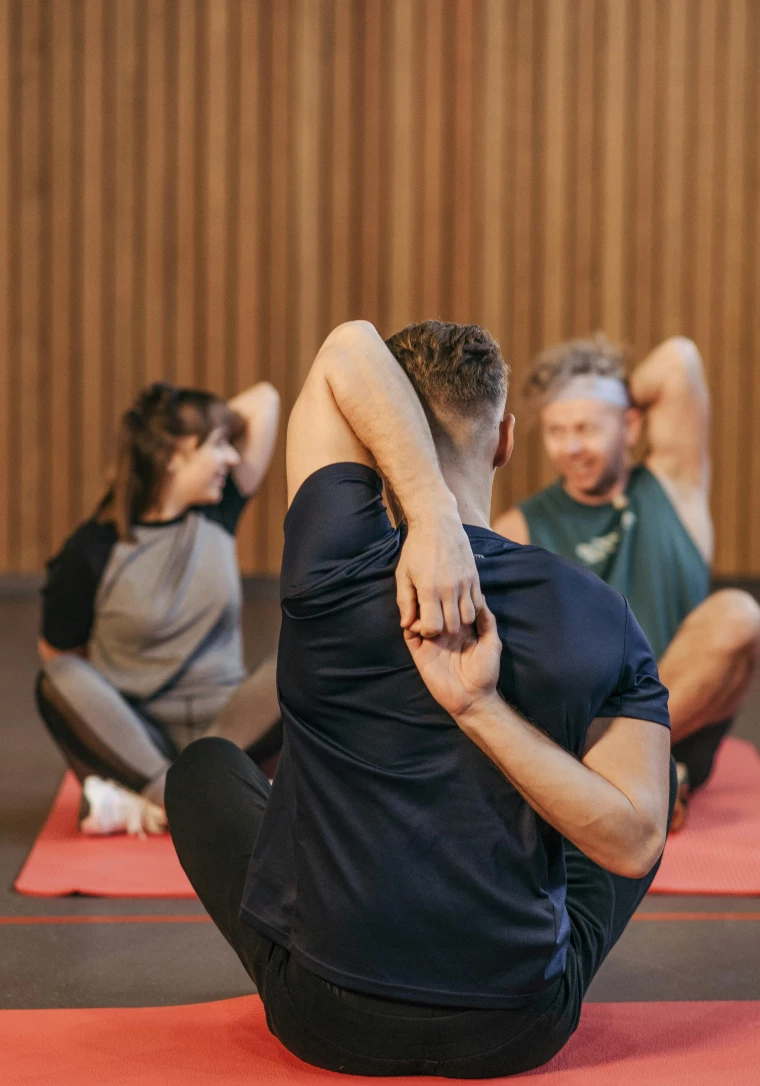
pixel 357 404
pixel 621 827
pixel 669 385
pixel 613 805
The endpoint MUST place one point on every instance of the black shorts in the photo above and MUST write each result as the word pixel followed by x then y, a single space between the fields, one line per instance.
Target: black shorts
pixel 215 800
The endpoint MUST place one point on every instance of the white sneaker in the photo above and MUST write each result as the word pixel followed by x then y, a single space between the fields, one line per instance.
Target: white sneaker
pixel 109 808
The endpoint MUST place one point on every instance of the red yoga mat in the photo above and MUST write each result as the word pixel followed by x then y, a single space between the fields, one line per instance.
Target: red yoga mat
pixel 625 1044
pixel 718 852
pixel 65 861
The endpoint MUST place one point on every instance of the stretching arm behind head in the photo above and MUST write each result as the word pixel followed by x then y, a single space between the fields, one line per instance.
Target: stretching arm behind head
pixel 669 385
pixel 612 804
pixel 259 406
pixel 358 405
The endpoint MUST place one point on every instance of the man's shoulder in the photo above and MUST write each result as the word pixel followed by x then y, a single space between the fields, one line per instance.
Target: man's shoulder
pixel 570 572
pixel 529 568
pixel 329 485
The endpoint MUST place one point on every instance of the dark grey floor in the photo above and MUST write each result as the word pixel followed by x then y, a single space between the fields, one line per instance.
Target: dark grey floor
pixel 143 964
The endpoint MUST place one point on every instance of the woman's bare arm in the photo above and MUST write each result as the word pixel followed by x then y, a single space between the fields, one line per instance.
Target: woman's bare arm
pixel 260 407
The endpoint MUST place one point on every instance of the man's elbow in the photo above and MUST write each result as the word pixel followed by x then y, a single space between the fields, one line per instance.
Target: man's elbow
pixel 686 361
pixel 636 861
pixel 348 335
pixel 268 394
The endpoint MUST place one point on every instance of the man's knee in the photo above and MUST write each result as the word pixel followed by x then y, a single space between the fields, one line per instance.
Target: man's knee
pixel 728 621
pixel 199 761
pixel 193 774
pixel 736 621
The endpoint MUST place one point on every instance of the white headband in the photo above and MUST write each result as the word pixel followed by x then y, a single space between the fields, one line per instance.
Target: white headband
pixel 591 386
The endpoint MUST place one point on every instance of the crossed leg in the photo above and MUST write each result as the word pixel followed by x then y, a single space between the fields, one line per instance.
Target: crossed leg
pixel 708 668
pixel 711 661
pixel 100 733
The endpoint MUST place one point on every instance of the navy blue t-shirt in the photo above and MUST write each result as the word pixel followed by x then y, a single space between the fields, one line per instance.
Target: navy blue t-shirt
pixel 394 858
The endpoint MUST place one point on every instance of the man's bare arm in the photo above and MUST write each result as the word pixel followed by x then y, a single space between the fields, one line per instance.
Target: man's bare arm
pixel 513 525
pixel 358 405
pixel 613 805
pixel 670 387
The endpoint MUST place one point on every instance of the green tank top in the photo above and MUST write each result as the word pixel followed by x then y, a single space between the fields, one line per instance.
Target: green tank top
pixel 639 546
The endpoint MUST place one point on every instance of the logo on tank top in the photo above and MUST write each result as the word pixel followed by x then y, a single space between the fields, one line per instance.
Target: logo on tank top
pixel 602 547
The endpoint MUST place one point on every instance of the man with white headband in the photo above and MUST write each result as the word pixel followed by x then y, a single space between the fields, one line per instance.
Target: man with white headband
pixel 645 528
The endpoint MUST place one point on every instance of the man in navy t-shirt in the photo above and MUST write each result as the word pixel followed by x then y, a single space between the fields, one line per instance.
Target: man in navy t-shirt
pixel 464 818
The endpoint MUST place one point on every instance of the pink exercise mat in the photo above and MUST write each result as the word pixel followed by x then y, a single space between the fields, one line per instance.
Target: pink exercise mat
pixel 625 1044
pixel 718 851
pixel 65 861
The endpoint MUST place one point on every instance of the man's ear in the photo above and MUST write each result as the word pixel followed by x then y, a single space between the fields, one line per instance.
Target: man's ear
pixel 506 441
pixel 634 420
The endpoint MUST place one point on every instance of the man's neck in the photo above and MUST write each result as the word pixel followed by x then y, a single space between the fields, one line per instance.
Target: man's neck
pixel 472 489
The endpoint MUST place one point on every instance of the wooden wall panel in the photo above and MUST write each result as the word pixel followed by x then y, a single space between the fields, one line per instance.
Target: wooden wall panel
pixel 198 190
pixel 751 412
pixel 6 202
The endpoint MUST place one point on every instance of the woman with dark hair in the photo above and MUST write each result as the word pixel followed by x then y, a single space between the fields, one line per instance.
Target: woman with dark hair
pixel 141 643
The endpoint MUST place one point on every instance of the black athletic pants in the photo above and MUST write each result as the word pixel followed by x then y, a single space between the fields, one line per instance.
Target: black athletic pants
pixel 697 751
pixel 215 800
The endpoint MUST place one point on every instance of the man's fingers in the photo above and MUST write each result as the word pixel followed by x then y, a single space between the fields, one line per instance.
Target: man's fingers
pixel 467 610
pixel 478 600
pixel 406 598
pixel 450 604
pixel 486 623
pixel 431 618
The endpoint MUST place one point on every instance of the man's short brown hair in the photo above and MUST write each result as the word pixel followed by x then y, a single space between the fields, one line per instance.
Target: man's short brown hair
pixel 455 369
pixel 557 366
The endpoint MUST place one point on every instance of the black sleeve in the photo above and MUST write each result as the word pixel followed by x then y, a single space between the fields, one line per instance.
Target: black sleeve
pixel 228 511
pixel 336 516
pixel 639 692
pixel 73 575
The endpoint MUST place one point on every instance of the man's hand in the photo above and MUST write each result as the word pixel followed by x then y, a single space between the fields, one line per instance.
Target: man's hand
pixel 460 670
pixel 437 583
pixel 358 405
pixel 613 806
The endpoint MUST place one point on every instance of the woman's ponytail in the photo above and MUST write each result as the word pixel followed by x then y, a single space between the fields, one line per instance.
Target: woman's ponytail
pixel 146 443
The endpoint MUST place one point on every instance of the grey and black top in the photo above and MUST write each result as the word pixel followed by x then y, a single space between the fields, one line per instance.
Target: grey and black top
pixel 159 615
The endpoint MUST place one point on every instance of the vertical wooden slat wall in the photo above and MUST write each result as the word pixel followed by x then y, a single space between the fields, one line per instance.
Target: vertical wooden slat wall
pixel 198 190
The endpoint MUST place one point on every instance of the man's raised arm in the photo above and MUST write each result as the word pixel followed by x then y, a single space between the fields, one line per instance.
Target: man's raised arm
pixel 669 385
pixel 358 405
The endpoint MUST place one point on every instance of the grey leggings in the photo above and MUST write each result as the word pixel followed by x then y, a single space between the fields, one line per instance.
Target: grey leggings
pixel 101 732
